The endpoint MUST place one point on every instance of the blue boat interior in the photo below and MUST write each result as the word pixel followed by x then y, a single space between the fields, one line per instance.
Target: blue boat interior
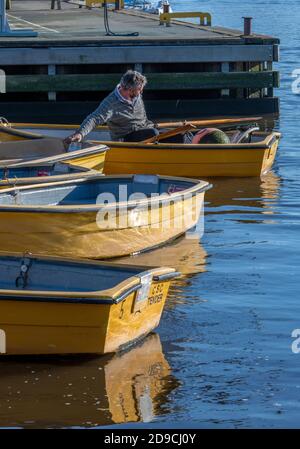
pixel 102 190
pixel 38 171
pixel 64 276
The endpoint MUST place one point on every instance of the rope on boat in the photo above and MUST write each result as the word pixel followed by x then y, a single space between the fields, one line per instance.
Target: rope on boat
pixel 22 279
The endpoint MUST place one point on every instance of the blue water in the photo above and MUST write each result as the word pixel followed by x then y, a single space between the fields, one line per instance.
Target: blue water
pixel 231 346
pixel 222 356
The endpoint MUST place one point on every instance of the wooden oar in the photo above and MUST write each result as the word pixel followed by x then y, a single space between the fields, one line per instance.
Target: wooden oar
pixel 171 133
pixel 205 123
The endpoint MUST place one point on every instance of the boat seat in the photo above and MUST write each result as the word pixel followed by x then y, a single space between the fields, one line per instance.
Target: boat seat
pixel 239 136
pixel 35 148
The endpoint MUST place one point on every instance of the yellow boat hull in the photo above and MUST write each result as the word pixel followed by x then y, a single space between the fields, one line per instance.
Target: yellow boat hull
pixel 92 162
pixel 192 160
pixel 46 328
pixel 52 312
pixel 78 235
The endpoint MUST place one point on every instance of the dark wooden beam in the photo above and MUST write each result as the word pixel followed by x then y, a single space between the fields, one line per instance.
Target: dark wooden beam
pixel 156 81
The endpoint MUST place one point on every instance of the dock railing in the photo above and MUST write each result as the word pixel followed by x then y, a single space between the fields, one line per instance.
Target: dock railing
pixel 166 17
pixel 119 4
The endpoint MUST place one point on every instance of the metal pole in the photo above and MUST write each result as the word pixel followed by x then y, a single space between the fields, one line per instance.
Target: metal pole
pixel 247 26
pixel 53 4
pixel 5 28
pixel 118 5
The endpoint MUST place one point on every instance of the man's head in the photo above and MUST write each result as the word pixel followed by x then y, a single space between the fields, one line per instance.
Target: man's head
pixel 133 82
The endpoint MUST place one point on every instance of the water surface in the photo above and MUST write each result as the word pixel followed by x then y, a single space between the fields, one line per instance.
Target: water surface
pixel 222 356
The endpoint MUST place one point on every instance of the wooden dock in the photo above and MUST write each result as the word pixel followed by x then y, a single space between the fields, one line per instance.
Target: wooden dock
pixel 192 70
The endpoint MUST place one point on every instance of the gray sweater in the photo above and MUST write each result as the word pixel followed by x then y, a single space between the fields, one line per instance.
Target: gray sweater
pixel 121 116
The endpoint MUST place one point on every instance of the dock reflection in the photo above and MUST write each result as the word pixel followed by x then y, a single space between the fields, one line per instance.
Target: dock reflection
pixel 62 392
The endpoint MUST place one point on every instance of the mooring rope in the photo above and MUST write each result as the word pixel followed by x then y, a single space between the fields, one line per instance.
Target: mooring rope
pixel 106 24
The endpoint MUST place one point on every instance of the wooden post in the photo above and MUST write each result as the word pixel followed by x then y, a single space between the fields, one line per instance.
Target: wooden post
pixel 225 68
pixel 8 4
pixel 2 342
pixel 52 71
pixel 53 4
pixel 270 90
pixel 118 5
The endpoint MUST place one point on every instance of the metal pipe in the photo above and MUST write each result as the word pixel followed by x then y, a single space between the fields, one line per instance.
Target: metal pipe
pixel 247 26
pixel 166 7
pixel 118 5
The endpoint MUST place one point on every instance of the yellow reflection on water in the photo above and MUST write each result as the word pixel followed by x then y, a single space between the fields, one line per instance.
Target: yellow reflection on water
pixel 250 192
pixel 57 392
pixel 185 254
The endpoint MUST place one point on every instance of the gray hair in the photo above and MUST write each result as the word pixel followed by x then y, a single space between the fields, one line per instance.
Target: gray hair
pixel 132 79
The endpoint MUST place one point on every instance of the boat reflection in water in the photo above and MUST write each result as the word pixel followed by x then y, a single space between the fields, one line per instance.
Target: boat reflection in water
pixel 239 199
pixel 245 194
pixel 185 253
pixel 62 392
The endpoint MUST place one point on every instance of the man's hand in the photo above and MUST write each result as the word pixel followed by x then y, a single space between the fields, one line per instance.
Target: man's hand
pixel 76 137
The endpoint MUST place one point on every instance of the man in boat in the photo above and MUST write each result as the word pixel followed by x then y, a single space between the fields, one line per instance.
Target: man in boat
pixel 123 111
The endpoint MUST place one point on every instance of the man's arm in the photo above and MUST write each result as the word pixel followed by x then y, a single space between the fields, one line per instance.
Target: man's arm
pixel 96 118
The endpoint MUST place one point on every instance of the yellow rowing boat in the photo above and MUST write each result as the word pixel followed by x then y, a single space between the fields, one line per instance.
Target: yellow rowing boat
pixel 19 147
pixel 211 160
pixel 61 306
pixel 252 154
pixel 99 216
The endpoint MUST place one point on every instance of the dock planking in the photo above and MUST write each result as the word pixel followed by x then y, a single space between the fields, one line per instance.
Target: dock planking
pixel 72 56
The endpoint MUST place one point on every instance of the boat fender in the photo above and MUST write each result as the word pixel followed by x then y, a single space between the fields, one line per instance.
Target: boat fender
pixel 211 135
pixel 43 173
pixel 200 134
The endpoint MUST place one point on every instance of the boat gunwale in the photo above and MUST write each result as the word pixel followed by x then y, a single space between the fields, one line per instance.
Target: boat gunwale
pixel 68 297
pixel 72 261
pixel 45 179
pixel 10 129
pixel 112 295
pixel 199 187
pixel 262 145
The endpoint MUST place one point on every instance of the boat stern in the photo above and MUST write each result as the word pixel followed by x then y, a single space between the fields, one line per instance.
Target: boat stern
pixel 140 312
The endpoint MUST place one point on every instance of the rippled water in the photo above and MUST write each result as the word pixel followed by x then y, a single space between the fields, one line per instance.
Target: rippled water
pixel 232 350
pixel 222 354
